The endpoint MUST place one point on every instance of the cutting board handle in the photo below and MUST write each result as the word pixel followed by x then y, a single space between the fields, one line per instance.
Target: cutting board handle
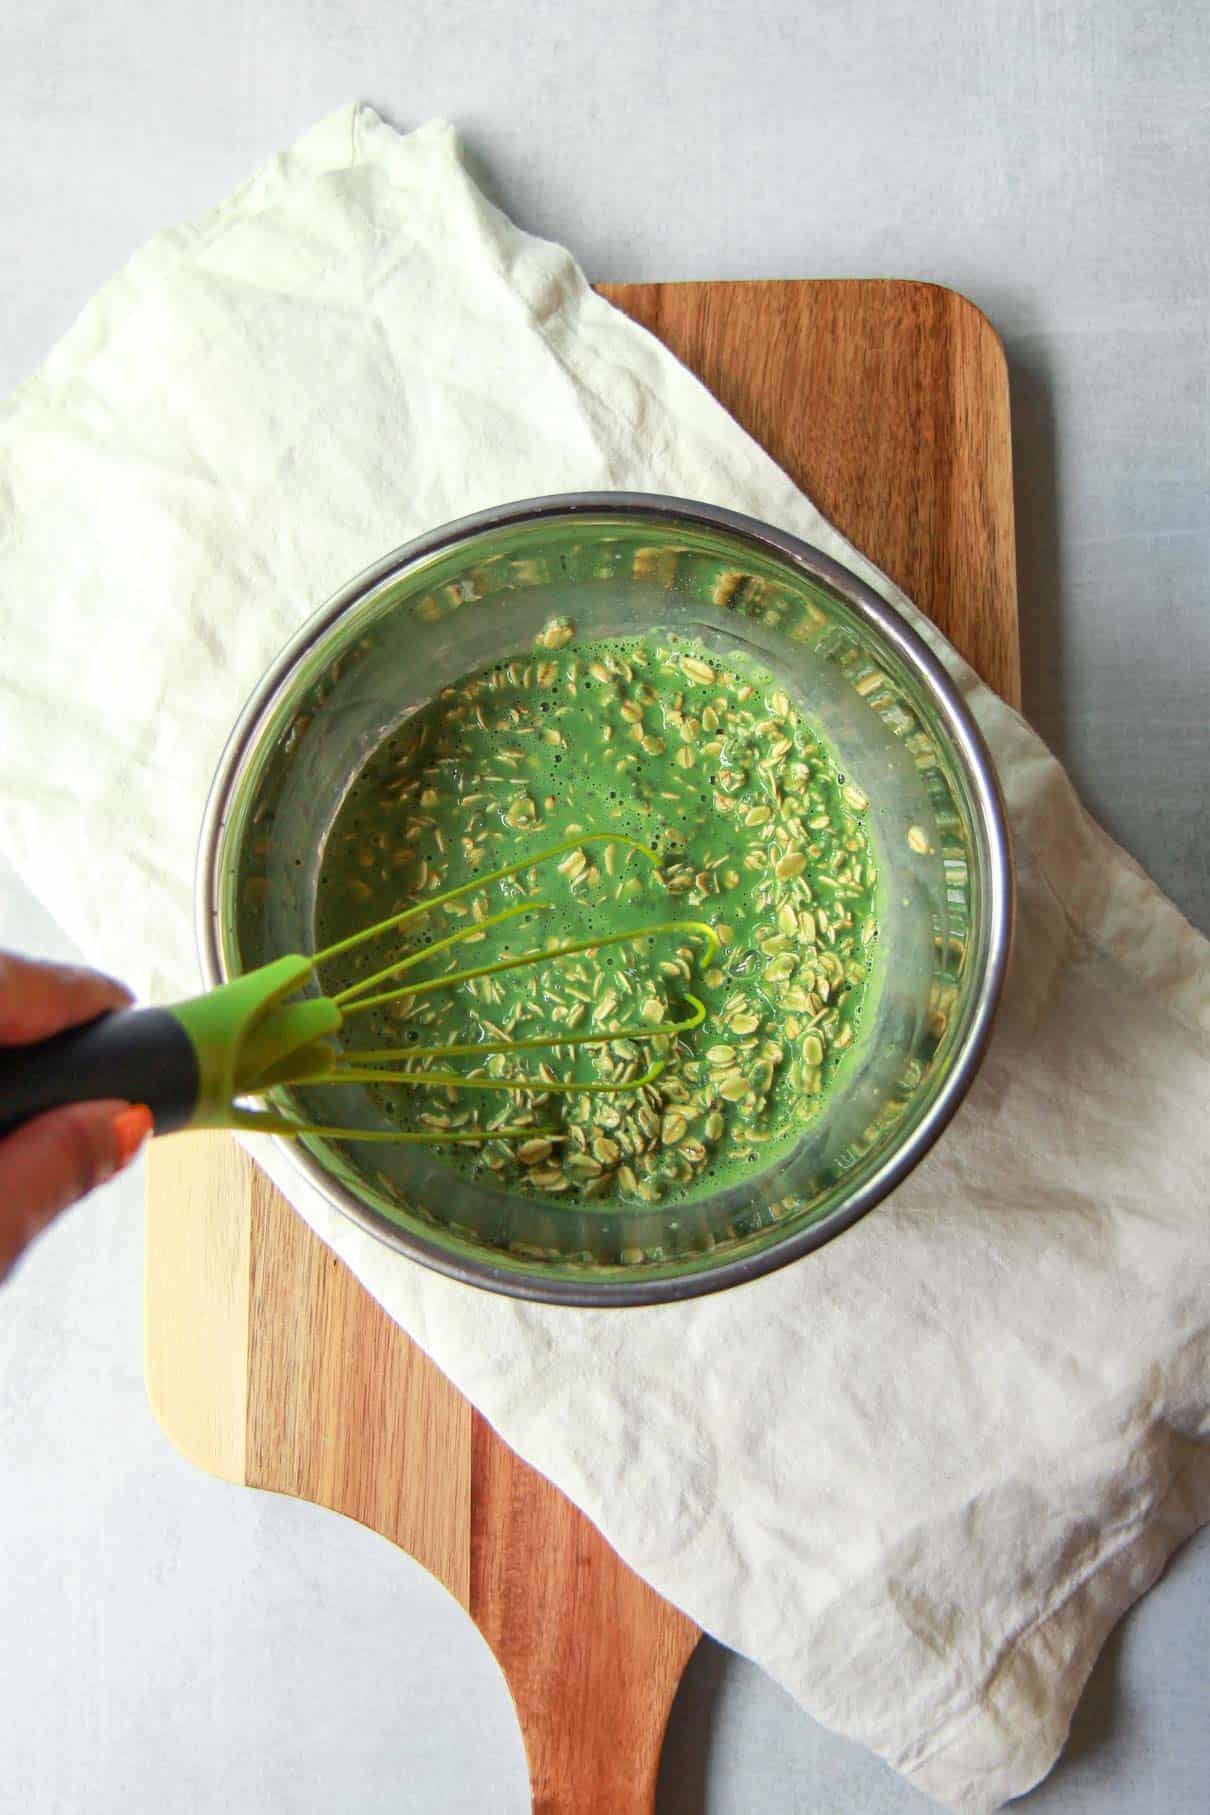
pixel 593 1657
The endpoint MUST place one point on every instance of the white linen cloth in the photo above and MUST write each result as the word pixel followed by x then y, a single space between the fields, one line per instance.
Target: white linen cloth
pixel 917 1476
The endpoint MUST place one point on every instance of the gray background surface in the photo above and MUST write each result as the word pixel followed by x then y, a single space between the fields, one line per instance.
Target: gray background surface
pixel 171 1644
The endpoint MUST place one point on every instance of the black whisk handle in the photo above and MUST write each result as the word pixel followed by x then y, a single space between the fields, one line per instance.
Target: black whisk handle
pixel 135 1055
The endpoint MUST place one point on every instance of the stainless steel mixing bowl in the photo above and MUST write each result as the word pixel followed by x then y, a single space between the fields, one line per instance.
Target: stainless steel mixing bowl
pixel 619 563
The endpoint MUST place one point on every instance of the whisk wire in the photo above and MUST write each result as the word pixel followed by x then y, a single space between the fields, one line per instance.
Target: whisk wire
pixel 367 1066
pixel 532 960
pixel 366 933
pixel 354 990
pixel 469 1048
pixel 536 1086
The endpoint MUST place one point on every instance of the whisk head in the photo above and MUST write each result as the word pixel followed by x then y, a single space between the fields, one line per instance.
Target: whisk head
pixel 288 1042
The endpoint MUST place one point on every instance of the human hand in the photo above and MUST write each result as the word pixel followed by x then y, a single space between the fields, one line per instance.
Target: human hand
pixel 61 1156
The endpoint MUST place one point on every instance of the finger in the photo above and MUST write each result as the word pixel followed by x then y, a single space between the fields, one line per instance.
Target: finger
pixel 58 1158
pixel 37 1000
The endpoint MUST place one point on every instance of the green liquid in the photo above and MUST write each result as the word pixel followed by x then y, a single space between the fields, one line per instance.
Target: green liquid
pixel 757 833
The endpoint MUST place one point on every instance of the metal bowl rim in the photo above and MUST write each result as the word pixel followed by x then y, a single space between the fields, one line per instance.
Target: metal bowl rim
pixel 980 774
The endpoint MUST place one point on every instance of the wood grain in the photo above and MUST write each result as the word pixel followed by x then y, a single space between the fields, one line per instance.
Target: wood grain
pixel 343 1413
pixel 196 1276
pixel 267 1362
pixel 887 403
pixel 592 1714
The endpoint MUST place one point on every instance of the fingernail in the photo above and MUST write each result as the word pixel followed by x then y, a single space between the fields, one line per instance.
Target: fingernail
pixel 130 1130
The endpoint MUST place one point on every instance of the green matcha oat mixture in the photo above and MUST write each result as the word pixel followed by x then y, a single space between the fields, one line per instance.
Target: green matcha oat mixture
pixel 757 834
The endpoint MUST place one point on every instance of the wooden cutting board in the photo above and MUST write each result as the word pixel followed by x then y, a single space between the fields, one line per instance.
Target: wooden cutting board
pixel 269 1365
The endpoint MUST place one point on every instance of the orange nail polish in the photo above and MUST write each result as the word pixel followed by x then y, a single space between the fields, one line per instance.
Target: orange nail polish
pixel 130 1130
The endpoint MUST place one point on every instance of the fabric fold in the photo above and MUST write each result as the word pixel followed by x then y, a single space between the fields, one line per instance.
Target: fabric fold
pixel 917 1476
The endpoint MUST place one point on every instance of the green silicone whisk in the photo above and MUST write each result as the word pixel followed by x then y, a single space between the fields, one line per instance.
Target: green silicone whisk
pixel 196 1063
